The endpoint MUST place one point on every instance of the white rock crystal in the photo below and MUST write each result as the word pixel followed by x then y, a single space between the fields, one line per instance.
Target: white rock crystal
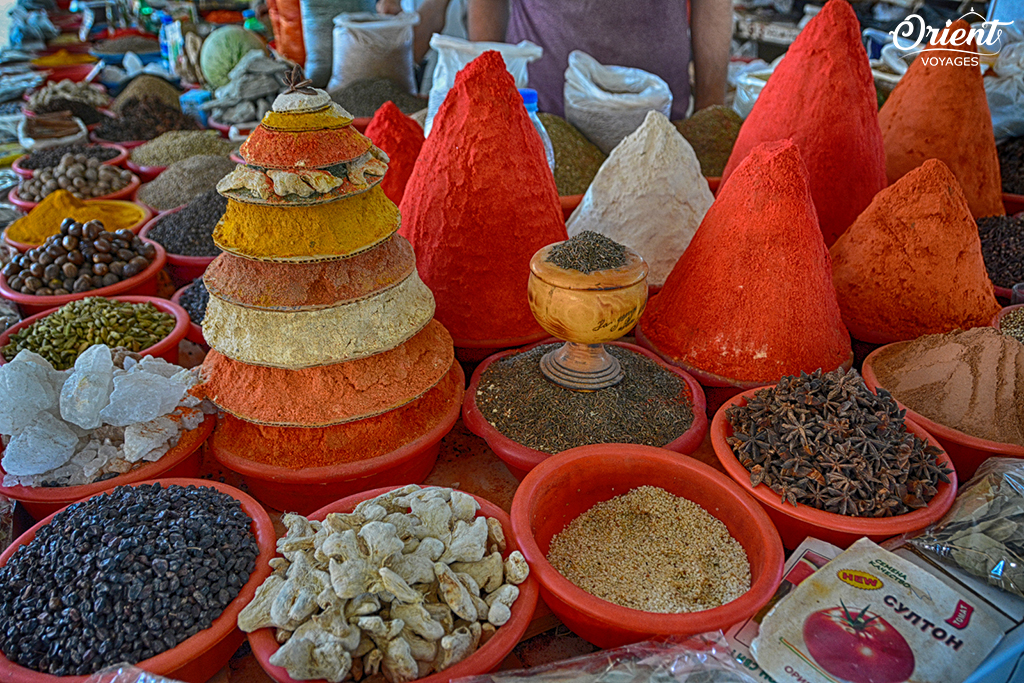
pixel 141 397
pixel 29 377
pixel 87 391
pixel 43 445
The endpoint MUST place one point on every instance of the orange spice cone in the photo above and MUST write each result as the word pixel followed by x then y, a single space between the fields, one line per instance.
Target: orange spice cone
pixel 751 298
pixel 481 201
pixel 911 264
pixel 401 138
pixel 938 110
pixel 822 97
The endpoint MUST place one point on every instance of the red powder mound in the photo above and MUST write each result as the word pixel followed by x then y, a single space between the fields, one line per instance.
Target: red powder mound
pixel 751 298
pixel 401 138
pixel 822 97
pixel 911 264
pixel 481 201
pixel 939 111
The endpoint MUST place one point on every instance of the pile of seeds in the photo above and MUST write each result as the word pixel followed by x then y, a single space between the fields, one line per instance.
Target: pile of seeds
pixel 147 86
pixel 190 231
pixel 577 159
pixel 712 132
pixel 83 176
pixel 52 156
pixel 184 180
pixel 652 551
pixel 118 46
pixel 650 406
pixel 122 577
pixel 194 300
pixel 826 441
pixel 67 332
pixel 588 252
pixel 145 119
pixel 1012 324
pixel 181 144
pixel 80 110
pixel 364 98
pixel 1002 247
pixel 1011 165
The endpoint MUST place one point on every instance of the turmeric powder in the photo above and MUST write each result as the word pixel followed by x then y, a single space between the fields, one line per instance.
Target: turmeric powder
pixel 44 220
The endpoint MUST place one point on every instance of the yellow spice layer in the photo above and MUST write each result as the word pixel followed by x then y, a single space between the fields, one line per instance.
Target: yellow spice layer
pixel 322 231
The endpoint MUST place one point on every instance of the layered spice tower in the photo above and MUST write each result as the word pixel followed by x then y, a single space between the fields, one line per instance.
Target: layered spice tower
pixel 317 317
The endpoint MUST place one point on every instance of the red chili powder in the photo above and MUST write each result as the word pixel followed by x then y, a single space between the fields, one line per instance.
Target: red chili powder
pixel 939 111
pixel 481 201
pixel 822 97
pixel 751 298
pixel 401 138
pixel 911 264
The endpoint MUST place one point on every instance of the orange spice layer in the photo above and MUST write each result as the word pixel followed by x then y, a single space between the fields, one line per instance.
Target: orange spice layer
pixel 304 149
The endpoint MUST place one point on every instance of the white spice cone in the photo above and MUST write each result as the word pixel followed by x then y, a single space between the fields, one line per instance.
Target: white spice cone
pixel 649 195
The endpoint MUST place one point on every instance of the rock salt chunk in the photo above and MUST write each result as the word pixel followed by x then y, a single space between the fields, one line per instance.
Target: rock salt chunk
pixel 141 397
pixel 141 439
pixel 156 366
pixel 27 389
pixel 45 444
pixel 87 390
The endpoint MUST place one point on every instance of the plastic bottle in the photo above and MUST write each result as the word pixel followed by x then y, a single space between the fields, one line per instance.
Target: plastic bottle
pixel 252 23
pixel 165 21
pixel 530 100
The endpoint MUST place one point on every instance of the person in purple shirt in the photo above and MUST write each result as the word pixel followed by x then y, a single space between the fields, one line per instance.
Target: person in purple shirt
pixel 653 35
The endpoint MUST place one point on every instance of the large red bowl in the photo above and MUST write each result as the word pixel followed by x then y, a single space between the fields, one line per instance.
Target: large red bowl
pixel 797 522
pixel 182 269
pixel 198 658
pixel 564 486
pixel 145 173
pixel 1013 203
pixel 127 144
pixel 490 654
pixel 122 155
pixel 520 459
pixel 147 214
pixel 195 332
pixel 997 319
pixel 126 192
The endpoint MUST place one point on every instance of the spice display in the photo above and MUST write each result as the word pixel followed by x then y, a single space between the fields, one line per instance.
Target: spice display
pixel 891 269
pixel 176 145
pixel 203 534
pixel 650 406
pixel 118 46
pixel 83 176
pixel 86 113
pixel 1011 164
pixel 577 159
pixel 113 412
pixel 189 232
pixel 364 98
pixel 59 124
pixel 184 180
pixel 649 195
pixel 63 58
pixel 144 119
pixel 1012 324
pixel 52 155
pixel 652 551
pixel 752 299
pixel 45 219
pixel 826 441
pixel 936 112
pixel 822 98
pixel 1002 245
pixel 965 380
pixel 473 247
pixel 146 86
pixel 70 330
pixel 68 90
pixel 194 300
pixel 401 138
pixel 712 132
pixel 588 252
pixel 255 80
pixel 365 563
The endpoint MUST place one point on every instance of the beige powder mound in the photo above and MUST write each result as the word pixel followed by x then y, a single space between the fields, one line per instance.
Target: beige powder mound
pixel 971 381
pixel 649 195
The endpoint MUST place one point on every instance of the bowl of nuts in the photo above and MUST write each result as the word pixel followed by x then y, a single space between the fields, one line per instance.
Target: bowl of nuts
pixel 139 215
pixel 84 177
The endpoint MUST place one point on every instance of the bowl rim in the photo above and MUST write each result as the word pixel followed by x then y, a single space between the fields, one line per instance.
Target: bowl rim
pixel 122 156
pixel 203 641
pixel 136 227
pixel 625 618
pixel 197 330
pixel 175 259
pixel 998 317
pixel 264 645
pixel 139 168
pixel 126 193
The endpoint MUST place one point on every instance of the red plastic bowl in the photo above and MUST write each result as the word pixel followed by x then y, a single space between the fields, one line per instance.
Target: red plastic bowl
pixel 180 461
pixel 166 348
pixel 307 489
pixel 195 332
pixel 129 144
pixel 126 192
pixel 147 214
pixel 198 658
pixel 967 452
pixel 520 459
pixel 145 173
pixel 182 269
pixel 569 204
pixel 122 155
pixel 224 128
pixel 236 157
pixel 71 72
pixel 997 319
pixel 570 483
pixel 714 184
pixel 796 522
pixel 487 658
pixel 1013 203
pixel 361 122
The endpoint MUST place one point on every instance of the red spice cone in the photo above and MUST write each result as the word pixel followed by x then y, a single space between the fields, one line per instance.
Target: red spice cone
pixel 939 111
pixel 751 298
pixel 481 201
pixel 911 264
pixel 822 97
pixel 401 138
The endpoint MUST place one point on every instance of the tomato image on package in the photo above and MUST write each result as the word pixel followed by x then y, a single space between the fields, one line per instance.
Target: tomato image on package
pixel 870 616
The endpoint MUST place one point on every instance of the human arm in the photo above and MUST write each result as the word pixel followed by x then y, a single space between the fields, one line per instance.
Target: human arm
pixel 487 20
pixel 710 31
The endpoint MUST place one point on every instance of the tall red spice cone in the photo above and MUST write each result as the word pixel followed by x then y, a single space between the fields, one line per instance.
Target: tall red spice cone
pixel 822 97
pixel 939 111
pixel 911 264
pixel 401 138
pixel 751 298
pixel 481 201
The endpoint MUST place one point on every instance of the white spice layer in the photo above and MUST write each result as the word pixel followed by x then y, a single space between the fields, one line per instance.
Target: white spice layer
pixel 650 550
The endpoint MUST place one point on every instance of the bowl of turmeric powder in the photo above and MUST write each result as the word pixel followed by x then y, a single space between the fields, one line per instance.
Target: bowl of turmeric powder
pixel 44 220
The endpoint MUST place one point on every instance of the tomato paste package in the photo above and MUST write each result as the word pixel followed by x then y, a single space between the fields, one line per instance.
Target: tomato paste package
pixel 869 616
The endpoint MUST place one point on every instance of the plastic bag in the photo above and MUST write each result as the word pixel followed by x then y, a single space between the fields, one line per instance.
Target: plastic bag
pixel 318 33
pixel 30 27
pixel 607 103
pixel 703 658
pixel 749 80
pixel 455 53
pixel 33 144
pixel 1005 90
pixel 370 45
pixel 126 673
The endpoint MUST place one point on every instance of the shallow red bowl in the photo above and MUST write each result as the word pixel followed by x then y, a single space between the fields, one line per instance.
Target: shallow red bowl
pixel 195 332
pixel 126 192
pixel 224 128
pixel 1013 203
pixel 520 459
pixel 797 522
pixel 182 269
pixel 361 122
pixel 564 486
pixel 166 348
pixel 569 204
pixel 487 658
pixel 145 173
pixel 198 658
pixel 135 228
pixel 129 144
pixel 997 319
pixel 122 155
pixel 71 72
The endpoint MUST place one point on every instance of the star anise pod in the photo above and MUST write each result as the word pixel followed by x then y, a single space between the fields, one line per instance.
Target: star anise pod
pixel 298 83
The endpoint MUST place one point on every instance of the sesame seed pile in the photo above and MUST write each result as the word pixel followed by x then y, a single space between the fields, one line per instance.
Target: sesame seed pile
pixel 650 550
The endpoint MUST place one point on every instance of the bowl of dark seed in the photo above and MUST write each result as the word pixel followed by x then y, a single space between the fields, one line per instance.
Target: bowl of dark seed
pixel 186 234
pixel 1002 247
pixel 153 573
pixel 609 529
pixel 108 155
pixel 193 298
pixel 826 457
